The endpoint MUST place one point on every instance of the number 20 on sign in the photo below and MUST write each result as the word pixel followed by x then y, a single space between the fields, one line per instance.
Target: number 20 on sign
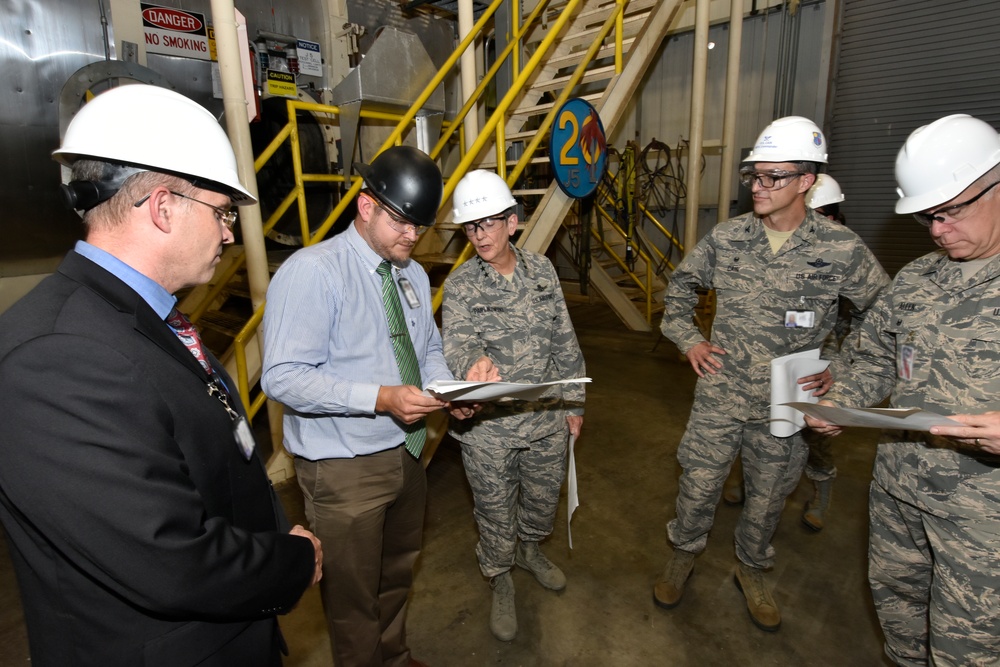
pixel 578 148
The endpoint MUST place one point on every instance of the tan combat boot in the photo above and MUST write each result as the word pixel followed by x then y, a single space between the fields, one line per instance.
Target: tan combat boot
pixel 813 516
pixel 530 557
pixel 503 618
pixel 670 586
pixel 761 605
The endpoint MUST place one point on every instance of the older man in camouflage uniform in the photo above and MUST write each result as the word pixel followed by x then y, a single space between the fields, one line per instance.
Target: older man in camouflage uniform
pixel 507 304
pixel 779 264
pixel 933 340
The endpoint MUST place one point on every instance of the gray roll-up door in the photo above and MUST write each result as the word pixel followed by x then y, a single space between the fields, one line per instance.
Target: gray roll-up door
pixel 903 64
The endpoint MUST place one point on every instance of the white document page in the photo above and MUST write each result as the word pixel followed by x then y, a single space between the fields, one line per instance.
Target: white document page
pixel 460 390
pixel 785 372
pixel 572 495
pixel 911 419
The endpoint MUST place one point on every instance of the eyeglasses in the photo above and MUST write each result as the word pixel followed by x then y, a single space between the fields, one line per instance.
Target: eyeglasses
pixel 768 180
pixel 227 218
pixel 952 213
pixel 401 226
pixel 486 225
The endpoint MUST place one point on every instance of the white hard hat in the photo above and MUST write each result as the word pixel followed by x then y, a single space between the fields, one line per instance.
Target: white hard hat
pixel 790 139
pixel 479 195
pixel 824 191
pixel 156 129
pixel 940 160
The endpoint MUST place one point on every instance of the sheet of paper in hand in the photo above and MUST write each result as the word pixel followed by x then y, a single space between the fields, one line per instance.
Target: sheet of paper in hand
pixel 460 390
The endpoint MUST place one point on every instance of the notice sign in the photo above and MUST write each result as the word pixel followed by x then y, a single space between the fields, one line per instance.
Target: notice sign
pixel 281 84
pixel 175 32
pixel 310 62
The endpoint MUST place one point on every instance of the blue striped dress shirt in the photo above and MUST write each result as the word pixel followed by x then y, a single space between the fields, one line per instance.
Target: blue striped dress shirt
pixel 327 348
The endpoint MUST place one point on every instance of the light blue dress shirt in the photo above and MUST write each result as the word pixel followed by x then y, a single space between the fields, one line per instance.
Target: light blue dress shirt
pixel 327 348
pixel 158 298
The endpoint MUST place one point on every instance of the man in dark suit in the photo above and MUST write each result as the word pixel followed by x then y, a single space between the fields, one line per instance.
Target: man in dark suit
pixel 142 525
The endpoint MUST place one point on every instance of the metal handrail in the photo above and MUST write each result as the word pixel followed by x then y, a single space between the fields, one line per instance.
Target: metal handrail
pixel 502 108
pixel 493 125
pixel 647 288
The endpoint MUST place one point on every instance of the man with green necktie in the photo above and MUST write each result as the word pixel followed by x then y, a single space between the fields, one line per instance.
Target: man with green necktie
pixel 350 341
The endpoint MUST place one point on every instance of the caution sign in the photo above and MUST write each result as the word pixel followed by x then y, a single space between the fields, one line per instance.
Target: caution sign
pixel 578 148
pixel 175 32
pixel 281 84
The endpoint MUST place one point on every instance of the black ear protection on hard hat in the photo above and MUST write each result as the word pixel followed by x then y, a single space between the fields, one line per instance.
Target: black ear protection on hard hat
pixel 85 195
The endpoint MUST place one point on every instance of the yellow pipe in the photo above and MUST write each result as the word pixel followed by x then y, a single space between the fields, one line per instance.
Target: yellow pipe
pixel 619 29
pixel 508 99
pixel 481 88
pixel 564 95
pixel 396 134
pixel 515 36
pixel 239 350
pixel 491 124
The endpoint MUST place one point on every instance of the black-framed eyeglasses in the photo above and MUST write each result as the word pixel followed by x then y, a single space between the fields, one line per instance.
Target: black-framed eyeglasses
pixel 486 225
pixel 768 180
pixel 401 226
pixel 952 213
pixel 226 217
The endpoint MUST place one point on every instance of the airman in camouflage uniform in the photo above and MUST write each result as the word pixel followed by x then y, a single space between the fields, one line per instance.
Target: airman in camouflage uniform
pixel 759 278
pixel 507 304
pixel 933 341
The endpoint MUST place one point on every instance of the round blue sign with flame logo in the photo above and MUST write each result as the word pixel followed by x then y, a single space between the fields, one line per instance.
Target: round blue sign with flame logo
pixel 578 148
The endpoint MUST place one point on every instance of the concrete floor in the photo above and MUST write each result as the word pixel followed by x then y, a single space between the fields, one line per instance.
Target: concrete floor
pixel 637 408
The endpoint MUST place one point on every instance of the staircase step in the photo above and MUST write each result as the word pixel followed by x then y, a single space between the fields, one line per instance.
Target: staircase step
pixel 592 16
pixel 585 37
pixel 539 109
pixel 574 57
pixel 226 323
pixel 238 287
pixel 492 163
pixel 559 82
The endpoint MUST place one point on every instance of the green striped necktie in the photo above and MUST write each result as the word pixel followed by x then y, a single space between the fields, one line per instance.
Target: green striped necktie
pixel 406 358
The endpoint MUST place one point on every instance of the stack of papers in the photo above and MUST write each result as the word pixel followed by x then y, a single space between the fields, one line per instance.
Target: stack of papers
pixel 460 390
pixel 785 372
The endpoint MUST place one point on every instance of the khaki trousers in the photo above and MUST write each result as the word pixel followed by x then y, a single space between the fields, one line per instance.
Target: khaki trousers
pixel 368 512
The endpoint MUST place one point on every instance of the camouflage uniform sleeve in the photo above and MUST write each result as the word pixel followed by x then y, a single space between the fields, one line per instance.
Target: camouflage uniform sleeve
pixel 867 280
pixel 872 372
pixel 462 346
pixel 567 355
pixel 681 299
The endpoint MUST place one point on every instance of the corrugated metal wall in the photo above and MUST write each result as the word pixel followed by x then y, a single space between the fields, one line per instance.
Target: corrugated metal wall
pixel 903 65
pixel 663 107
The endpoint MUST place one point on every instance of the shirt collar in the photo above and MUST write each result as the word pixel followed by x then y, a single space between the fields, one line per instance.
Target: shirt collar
pixel 158 298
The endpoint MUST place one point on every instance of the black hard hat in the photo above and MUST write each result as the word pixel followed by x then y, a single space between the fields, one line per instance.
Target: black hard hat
pixel 405 181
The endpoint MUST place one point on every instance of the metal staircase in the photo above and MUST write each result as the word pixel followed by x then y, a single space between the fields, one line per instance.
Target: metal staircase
pixel 595 49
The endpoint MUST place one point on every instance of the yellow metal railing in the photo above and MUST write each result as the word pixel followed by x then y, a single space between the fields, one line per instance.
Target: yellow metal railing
pixel 494 124
pixel 493 130
pixel 644 282
pixel 649 253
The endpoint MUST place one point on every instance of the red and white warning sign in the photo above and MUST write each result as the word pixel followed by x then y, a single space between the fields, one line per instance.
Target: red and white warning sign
pixel 175 32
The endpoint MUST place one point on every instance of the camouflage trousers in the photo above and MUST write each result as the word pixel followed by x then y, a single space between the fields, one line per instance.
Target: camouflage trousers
pixel 936 580
pixel 819 466
pixel 516 494
pixel 771 470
